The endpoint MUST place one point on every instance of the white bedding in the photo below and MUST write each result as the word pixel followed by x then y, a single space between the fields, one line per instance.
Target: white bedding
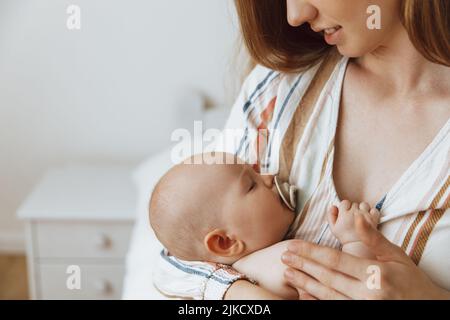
pixel 144 247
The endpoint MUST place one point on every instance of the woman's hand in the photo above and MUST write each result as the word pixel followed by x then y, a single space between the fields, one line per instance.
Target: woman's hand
pixel 327 273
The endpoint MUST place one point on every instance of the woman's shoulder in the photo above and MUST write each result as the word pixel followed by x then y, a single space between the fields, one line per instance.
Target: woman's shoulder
pixel 261 75
pixel 262 84
pixel 260 78
pixel 266 91
pixel 266 81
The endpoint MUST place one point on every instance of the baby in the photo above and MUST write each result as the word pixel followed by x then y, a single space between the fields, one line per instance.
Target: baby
pixel 223 212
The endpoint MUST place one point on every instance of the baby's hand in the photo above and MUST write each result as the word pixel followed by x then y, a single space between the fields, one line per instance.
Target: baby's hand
pixel 342 219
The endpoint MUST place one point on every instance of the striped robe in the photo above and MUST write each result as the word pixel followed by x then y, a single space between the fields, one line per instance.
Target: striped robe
pixel 415 212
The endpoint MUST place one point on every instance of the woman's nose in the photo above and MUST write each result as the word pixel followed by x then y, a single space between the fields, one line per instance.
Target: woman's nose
pixel 268 180
pixel 299 12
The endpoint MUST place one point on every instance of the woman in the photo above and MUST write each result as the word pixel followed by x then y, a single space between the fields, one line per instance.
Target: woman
pixel 379 134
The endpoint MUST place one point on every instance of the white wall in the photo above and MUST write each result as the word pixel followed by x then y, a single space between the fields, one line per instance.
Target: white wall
pixel 105 93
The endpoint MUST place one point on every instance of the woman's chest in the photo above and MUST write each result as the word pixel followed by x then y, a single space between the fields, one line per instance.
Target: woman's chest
pixel 377 141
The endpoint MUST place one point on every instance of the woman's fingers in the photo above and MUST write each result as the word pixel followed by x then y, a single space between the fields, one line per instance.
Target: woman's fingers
pixel 331 258
pixel 303 295
pixel 326 276
pixel 304 282
pixel 378 244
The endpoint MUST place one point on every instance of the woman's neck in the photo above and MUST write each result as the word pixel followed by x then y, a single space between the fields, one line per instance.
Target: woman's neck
pixel 403 69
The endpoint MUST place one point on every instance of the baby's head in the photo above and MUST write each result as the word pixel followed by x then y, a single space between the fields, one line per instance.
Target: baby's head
pixel 217 212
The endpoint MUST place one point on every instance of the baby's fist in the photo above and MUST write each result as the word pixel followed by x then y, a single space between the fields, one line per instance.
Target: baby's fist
pixel 342 219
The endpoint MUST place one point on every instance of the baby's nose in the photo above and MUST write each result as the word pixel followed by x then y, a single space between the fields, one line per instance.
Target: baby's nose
pixel 268 180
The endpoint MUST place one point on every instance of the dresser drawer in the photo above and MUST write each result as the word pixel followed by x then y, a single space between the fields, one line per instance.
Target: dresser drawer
pixel 97 282
pixel 81 239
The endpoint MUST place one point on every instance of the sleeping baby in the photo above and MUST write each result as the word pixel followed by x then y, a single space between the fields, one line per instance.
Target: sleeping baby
pixel 223 212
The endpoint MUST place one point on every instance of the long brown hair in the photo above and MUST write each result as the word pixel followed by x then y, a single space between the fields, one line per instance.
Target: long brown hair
pixel 428 26
pixel 273 43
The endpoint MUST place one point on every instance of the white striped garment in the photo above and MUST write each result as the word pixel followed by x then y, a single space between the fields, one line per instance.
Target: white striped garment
pixel 415 211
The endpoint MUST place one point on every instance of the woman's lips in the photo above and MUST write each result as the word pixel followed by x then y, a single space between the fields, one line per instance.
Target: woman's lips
pixel 331 30
pixel 332 35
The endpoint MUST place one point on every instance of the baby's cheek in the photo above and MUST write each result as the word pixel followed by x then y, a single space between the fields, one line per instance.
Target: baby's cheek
pixel 276 227
pixel 267 220
pixel 266 229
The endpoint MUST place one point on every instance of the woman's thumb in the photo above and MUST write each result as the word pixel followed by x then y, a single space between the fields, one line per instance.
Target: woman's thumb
pixel 381 247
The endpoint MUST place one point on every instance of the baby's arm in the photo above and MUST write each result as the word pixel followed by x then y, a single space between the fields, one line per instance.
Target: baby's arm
pixel 266 268
pixel 265 265
pixel 342 223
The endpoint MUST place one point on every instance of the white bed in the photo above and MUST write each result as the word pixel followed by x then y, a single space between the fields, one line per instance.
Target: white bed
pixel 144 247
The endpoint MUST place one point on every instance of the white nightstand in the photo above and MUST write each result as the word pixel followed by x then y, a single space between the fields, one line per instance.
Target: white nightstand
pixel 79 216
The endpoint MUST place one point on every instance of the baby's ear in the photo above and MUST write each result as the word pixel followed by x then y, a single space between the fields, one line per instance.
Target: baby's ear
pixel 219 243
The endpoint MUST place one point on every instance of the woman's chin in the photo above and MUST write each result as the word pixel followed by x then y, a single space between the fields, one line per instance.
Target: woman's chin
pixel 350 52
pixel 348 48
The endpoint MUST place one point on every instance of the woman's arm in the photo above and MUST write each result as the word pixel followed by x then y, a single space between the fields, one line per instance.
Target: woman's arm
pixel 326 273
pixel 265 267
pixel 244 290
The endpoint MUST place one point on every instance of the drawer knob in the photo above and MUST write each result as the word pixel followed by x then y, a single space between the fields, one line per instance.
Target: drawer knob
pixel 102 241
pixel 103 286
